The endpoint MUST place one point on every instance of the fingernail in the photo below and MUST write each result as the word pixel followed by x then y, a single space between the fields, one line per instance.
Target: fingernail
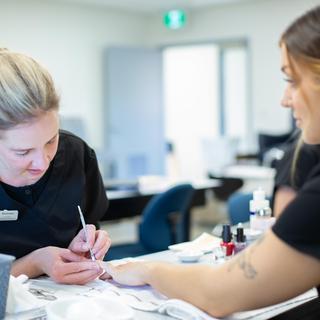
pixel 96 266
pixel 85 246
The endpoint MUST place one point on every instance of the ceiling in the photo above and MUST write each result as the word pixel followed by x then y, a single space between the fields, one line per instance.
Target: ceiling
pixel 154 6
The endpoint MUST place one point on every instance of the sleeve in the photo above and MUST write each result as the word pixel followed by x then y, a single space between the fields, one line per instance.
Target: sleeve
pixel 307 159
pixel 95 197
pixel 298 226
pixel 283 167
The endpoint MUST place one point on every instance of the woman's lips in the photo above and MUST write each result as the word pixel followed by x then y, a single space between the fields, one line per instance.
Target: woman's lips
pixel 35 172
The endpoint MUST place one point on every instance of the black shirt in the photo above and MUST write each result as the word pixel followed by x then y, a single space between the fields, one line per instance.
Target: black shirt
pixel 308 158
pixel 28 195
pixel 48 214
pixel 299 223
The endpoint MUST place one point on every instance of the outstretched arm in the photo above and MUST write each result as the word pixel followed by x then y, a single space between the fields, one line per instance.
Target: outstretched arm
pixel 267 272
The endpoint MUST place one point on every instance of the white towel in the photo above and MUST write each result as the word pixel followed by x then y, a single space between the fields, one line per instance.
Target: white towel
pixel 19 298
pixel 182 310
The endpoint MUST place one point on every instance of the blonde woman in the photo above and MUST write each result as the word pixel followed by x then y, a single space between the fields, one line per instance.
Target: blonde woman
pixel 44 174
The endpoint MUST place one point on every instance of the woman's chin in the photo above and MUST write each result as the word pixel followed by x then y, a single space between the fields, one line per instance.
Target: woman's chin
pixel 310 138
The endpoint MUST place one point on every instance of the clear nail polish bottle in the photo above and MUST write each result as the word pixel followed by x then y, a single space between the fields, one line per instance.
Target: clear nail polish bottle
pixel 240 242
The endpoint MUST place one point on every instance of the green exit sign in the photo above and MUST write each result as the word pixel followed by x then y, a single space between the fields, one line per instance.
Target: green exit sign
pixel 174 19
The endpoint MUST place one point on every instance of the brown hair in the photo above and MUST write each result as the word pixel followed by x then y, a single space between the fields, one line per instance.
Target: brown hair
pixel 302 42
pixel 26 89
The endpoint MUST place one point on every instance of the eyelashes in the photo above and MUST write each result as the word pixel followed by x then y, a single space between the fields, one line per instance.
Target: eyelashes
pixel 292 82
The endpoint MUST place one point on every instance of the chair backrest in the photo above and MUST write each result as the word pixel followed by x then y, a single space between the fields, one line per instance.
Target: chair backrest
pixel 156 231
pixel 238 207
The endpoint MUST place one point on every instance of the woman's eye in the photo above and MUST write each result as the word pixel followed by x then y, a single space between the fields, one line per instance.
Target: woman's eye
pixel 51 141
pixel 22 153
pixel 290 81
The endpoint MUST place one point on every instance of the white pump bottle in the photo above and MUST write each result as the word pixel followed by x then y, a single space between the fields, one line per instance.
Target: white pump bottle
pixel 260 218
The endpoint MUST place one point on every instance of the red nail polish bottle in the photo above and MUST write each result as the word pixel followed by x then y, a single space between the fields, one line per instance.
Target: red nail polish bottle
pixel 227 245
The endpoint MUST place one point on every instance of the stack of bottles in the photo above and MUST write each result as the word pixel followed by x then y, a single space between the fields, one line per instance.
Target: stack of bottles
pixel 228 246
pixel 260 220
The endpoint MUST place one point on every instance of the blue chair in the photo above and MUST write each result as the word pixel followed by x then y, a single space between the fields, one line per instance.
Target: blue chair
pixel 162 223
pixel 238 207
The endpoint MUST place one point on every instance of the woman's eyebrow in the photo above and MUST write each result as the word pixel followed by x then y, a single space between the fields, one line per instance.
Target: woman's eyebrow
pixel 28 149
pixel 21 149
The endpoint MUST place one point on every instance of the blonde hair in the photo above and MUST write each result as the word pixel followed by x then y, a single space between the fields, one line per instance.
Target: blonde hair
pixel 294 164
pixel 26 89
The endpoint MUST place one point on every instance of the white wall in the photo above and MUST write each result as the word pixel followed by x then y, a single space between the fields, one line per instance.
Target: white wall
pixel 69 40
pixel 261 22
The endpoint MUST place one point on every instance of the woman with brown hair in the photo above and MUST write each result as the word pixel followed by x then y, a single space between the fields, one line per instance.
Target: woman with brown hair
pixel 286 260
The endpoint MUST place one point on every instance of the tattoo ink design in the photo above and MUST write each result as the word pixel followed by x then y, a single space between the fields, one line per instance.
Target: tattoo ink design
pixel 243 261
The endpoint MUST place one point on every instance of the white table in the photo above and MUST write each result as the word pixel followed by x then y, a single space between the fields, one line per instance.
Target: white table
pixel 170 256
pixel 253 176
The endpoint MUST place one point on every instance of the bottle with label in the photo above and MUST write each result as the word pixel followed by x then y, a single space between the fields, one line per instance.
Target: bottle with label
pixel 226 244
pixel 240 241
pixel 260 218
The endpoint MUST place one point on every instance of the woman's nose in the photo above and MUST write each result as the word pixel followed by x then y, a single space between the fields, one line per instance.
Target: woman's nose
pixel 40 161
pixel 286 100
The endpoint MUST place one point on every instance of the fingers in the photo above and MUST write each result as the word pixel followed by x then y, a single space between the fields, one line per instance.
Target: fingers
pixel 105 276
pixel 129 273
pixel 70 256
pixel 102 244
pixel 64 266
pixel 110 269
pixel 91 232
pixel 77 267
pixel 80 278
pixel 80 244
pixel 118 273
pixel 75 272
pixel 98 241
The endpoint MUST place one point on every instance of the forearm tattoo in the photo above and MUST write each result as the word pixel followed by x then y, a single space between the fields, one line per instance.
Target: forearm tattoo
pixel 243 261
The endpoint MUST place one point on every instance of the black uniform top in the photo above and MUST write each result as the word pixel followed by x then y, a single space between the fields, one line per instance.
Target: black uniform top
pixel 308 158
pixel 299 223
pixel 48 214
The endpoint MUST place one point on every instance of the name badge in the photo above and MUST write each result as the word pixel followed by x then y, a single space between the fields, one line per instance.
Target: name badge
pixel 8 215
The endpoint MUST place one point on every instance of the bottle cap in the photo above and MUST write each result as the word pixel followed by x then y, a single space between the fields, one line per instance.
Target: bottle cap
pixel 259 200
pixel 240 237
pixel 226 233
pixel 259 194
